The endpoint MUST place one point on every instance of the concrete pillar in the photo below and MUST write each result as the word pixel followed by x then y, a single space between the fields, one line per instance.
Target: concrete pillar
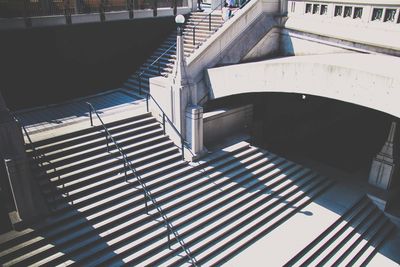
pixel 180 86
pixel 187 119
pixel 194 130
pixel 383 165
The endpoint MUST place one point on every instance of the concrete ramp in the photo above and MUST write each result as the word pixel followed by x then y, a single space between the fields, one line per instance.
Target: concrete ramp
pixel 368 80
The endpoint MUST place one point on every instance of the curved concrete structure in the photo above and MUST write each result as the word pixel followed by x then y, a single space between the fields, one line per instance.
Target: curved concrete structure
pixel 368 80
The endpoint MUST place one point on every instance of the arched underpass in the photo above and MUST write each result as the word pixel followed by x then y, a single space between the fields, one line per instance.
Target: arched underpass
pixel 341 135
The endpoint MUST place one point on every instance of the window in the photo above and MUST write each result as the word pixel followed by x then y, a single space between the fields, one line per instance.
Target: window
pixel 377 14
pixel 308 8
pixel 315 9
pixel 338 11
pixel 347 11
pixel 324 9
pixel 389 14
pixel 357 13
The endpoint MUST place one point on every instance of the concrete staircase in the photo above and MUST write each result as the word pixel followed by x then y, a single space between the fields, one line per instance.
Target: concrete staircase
pixel 352 240
pixel 218 205
pixel 166 53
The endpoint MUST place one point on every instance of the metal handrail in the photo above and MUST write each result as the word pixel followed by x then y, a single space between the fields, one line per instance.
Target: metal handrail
pixel 209 21
pixel 147 193
pixel 139 76
pixel 36 155
pixel 167 119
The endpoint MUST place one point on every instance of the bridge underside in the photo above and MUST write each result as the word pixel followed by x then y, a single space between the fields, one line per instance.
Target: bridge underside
pixel 364 79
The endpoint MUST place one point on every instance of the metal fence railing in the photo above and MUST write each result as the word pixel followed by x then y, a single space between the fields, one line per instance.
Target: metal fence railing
pixel 38 8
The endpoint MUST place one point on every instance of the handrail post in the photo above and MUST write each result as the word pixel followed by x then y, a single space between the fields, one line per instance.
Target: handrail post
pixel 126 176
pixel 159 67
pixel 163 122
pixel 145 202
pixel 182 147
pixel 168 234
pixel 209 22
pixel 194 35
pixel 108 148
pixel 90 114
pixel 147 102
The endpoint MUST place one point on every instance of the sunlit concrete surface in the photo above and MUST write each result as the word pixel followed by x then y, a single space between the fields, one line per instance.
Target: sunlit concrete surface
pixel 368 80
pixel 280 245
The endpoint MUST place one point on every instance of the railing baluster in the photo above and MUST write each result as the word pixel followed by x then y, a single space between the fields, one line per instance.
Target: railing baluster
pixel 168 236
pixel 108 149
pixel 209 22
pixel 182 148
pixel 147 102
pixel 145 202
pixel 194 35
pixel 163 122
pixel 90 115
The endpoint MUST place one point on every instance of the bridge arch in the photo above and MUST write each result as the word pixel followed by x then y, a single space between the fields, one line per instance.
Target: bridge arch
pixel 368 80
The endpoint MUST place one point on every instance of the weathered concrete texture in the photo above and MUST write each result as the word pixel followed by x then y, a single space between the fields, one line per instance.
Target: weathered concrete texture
pixel 368 80
pixel 268 46
pixel 362 30
pixel 227 121
pixel 293 43
pixel 383 164
pixel 251 38
pixel 298 43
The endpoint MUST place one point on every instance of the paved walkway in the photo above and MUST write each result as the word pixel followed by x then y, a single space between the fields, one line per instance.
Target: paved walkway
pixel 52 120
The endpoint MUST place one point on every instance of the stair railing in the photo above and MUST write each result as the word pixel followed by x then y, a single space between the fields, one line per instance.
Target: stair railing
pixel 146 192
pixel 39 157
pixel 165 119
pixel 208 16
pixel 157 60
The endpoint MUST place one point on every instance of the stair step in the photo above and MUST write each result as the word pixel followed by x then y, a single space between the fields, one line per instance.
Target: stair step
pixel 240 148
pixel 55 139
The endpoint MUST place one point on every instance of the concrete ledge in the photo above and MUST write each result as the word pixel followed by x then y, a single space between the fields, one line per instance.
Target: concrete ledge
pixel 227 121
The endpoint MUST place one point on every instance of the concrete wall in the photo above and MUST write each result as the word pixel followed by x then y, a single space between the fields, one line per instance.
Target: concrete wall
pixel 227 121
pixel 367 80
pixel 377 35
pixel 233 41
pixel 294 43
pixel 268 46
pixel 298 43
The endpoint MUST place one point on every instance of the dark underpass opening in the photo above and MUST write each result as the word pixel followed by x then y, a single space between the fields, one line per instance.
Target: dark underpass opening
pixel 334 133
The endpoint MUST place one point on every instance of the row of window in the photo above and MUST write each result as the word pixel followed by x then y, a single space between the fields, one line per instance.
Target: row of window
pixel 378 14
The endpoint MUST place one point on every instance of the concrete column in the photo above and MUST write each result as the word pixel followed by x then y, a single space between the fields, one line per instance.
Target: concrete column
pixel 383 165
pixel 180 86
pixel 187 119
pixel 194 130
